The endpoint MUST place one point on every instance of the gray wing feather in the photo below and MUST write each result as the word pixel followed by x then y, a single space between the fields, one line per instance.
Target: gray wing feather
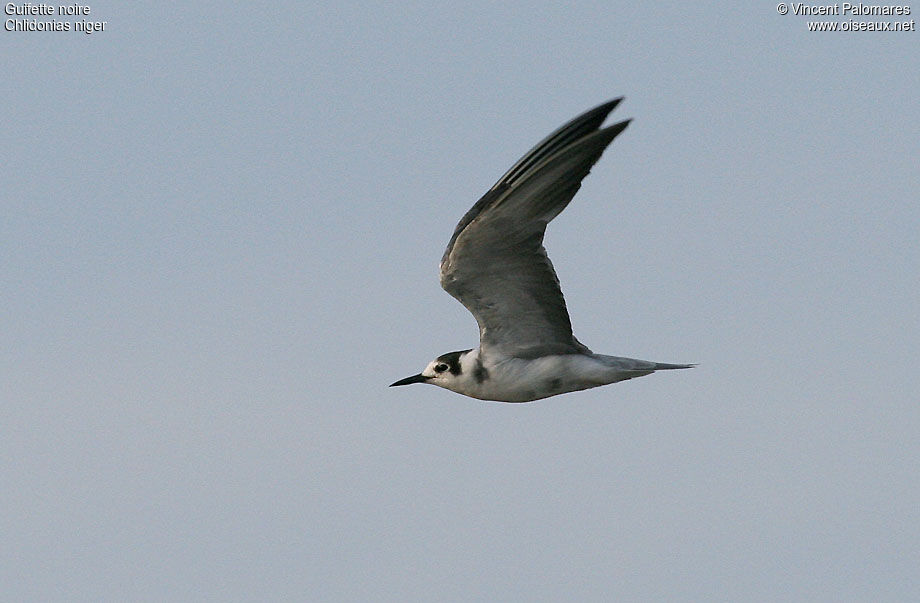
pixel 495 263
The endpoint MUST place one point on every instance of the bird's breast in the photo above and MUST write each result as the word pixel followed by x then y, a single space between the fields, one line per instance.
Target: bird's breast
pixel 512 379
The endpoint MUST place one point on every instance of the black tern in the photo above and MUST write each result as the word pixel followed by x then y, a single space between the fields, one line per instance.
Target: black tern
pixel 496 266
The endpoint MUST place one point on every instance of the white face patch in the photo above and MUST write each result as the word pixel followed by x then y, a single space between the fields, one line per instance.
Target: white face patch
pixel 438 369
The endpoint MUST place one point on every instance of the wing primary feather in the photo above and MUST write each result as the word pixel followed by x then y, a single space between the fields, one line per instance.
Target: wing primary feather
pixel 572 131
pixel 534 194
pixel 578 127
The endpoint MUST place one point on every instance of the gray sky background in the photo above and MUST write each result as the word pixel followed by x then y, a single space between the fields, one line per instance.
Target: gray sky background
pixel 219 243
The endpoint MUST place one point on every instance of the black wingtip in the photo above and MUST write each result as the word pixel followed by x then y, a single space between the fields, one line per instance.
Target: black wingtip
pixel 601 111
pixel 614 102
pixel 604 136
pixel 619 126
pixel 609 104
pixel 575 129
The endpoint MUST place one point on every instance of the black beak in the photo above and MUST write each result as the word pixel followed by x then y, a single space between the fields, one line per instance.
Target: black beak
pixel 420 378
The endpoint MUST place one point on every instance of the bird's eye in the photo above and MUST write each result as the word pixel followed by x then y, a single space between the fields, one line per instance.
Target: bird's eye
pixel 440 368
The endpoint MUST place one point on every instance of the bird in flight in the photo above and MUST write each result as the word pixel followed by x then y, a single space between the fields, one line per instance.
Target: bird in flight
pixel 496 266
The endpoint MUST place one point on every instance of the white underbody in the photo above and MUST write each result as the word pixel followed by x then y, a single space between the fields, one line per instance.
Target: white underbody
pixel 511 379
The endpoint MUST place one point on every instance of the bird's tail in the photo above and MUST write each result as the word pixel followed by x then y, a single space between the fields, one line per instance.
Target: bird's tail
pixel 663 366
pixel 634 364
pixel 630 368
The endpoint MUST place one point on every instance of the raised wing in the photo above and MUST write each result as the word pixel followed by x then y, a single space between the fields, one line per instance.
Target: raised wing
pixel 495 263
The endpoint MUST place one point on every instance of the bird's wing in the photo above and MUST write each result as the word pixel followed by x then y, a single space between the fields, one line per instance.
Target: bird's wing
pixel 495 263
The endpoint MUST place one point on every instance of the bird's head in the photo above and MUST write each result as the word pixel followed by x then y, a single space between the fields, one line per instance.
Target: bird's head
pixel 444 371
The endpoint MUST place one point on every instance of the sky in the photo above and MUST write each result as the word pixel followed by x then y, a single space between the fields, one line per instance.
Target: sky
pixel 221 225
